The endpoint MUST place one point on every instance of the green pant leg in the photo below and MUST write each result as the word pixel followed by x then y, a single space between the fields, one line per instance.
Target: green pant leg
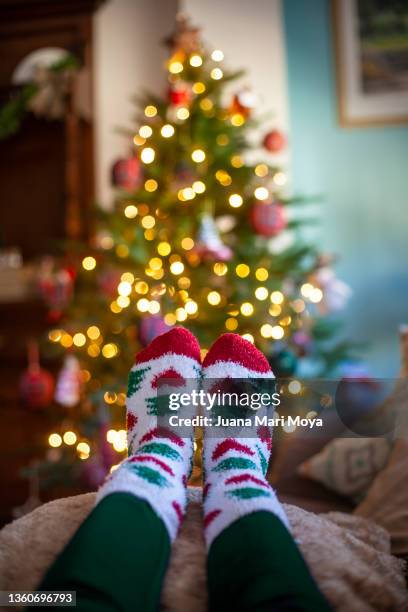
pixel 116 560
pixel 254 565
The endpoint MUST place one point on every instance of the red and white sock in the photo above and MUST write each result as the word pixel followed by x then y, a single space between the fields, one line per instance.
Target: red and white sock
pixel 159 460
pixel 235 468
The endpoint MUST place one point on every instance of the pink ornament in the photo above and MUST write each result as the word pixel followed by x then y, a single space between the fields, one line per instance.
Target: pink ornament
pixel 95 469
pixel 36 385
pixel 268 218
pixel 150 327
pixel 93 473
pixel 336 293
pixel 303 342
pixel 67 391
pixel 274 141
pixel 127 173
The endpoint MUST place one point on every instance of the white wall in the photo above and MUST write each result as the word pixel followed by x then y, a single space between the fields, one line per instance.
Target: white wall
pixel 250 33
pixel 128 58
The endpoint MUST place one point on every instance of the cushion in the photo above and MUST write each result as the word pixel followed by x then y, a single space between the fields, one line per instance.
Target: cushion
pixel 387 499
pixel 351 579
pixel 292 449
pixel 348 465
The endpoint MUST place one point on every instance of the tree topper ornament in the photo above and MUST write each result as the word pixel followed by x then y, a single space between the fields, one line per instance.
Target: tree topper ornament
pixel 186 38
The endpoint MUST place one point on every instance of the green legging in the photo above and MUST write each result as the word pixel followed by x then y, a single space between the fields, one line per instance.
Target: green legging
pixel 118 557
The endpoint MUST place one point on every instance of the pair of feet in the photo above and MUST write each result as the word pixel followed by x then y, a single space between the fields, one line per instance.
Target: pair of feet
pixel 160 461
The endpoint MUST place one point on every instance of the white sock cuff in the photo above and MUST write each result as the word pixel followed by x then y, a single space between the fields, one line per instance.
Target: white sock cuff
pixel 160 500
pixel 233 509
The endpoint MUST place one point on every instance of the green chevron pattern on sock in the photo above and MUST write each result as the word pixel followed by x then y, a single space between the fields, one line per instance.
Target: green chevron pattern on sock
pixel 264 462
pixel 248 493
pixel 152 404
pixel 162 449
pixel 135 380
pixel 240 463
pixel 149 474
pixel 131 441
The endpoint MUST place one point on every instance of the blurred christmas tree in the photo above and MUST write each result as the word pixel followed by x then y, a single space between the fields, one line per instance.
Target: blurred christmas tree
pixel 198 237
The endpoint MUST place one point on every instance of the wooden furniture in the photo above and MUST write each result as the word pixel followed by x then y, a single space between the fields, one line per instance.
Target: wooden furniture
pixel 46 191
pixel 46 169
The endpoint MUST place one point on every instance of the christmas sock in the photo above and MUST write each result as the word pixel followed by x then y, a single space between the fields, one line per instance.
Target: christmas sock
pixel 235 468
pixel 159 459
pixel 253 562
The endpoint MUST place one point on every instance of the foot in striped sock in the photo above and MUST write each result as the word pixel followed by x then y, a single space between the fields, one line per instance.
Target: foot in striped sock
pixel 159 460
pixel 235 482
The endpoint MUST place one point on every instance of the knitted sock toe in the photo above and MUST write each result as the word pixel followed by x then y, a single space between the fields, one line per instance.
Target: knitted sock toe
pixel 159 460
pixel 235 468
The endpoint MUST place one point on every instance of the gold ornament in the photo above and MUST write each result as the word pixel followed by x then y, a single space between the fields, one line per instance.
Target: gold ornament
pixel 186 38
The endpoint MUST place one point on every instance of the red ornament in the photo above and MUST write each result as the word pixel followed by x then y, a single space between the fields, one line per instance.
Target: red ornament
pixel 180 94
pixel 274 141
pixel 268 218
pixel 36 385
pixel 127 173
pixel 108 282
pixel 56 287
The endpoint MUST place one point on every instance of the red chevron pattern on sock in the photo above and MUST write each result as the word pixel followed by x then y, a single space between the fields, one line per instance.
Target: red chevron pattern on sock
pixel 178 510
pixel 162 432
pixel 131 421
pixel 171 375
pixel 264 434
pixel 208 518
pixel 230 444
pixel 144 458
pixel 246 478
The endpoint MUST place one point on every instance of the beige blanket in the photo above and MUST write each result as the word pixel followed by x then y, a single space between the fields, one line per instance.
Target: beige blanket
pixel 348 556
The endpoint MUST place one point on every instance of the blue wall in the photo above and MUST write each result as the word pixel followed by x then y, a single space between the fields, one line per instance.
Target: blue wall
pixel 363 175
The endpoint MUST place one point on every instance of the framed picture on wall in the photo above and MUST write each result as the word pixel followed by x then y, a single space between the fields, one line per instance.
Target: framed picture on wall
pixel 371 48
